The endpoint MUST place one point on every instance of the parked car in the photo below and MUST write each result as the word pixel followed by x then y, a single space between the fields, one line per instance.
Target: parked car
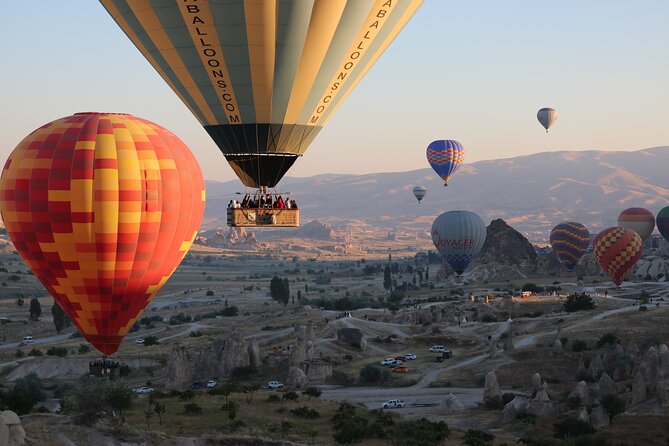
pixel 395 363
pixel 410 356
pixel 437 349
pixel 143 389
pixel 139 341
pixel 401 369
pixel 387 361
pixel 197 385
pixel 400 358
pixel 439 359
pixel 274 385
pixel 212 383
pixel 393 404
pixel 27 339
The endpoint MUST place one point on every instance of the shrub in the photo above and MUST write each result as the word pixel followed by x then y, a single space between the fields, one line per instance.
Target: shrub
pixel 19 353
pixel 84 348
pixel 209 292
pixel 579 346
pixel 230 311
pixel 57 351
pixel 475 437
pixel 187 395
pixel 150 340
pixel 305 412
pixel 422 432
pixel 613 405
pixel 578 302
pixel 273 398
pixel 312 392
pixel 26 393
pixel 192 409
pixel 291 396
pixel 488 317
pixel 572 427
pixel 608 338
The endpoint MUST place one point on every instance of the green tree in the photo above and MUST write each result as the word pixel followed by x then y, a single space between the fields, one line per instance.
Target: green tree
pixel 577 302
pixel 312 392
pixel 118 397
pixel 572 427
pixel 231 408
pixel 159 409
pixel 299 296
pixel 19 302
pixel 373 375
pixel 427 273
pixel 148 413
pixel 60 319
pixel 35 309
pixel 279 289
pixel 613 405
pixel 387 279
pixel 150 340
pixel 26 393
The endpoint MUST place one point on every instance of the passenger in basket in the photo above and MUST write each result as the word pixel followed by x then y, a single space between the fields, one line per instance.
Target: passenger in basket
pixel 293 204
pixel 287 203
pixel 245 201
pixel 279 203
pixel 231 204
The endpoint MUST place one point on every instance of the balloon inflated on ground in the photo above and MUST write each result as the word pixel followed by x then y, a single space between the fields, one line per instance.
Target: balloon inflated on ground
pixel 639 219
pixel 419 192
pixel 617 250
pixel 262 77
pixel 458 236
pixel 547 117
pixel 569 241
pixel 102 207
pixel 445 156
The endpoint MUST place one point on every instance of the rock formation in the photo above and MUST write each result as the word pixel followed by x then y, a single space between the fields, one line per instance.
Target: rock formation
pixel 598 417
pixel 557 347
pixel 296 378
pixel 535 381
pixel 491 393
pixel 517 406
pixel 254 354
pixel 541 406
pixel 506 246
pixel 639 391
pixel 596 368
pixel 649 368
pixel 605 385
pixel 580 392
pixel 451 404
pixel 352 337
pixel 179 368
pixel 11 431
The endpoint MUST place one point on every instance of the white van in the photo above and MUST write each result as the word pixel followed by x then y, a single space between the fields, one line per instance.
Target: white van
pixel 27 339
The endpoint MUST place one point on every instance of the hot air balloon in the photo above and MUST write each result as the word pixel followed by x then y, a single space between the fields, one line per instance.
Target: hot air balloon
pixel 570 241
pixel 458 236
pixel 445 156
pixel 547 117
pixel 662 222
pixel 262 77
pixel 419 192
pixel 639 219
pixel 617 250
pixel 102 207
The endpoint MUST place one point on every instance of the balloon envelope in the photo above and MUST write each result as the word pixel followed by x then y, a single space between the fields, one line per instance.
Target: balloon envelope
pixel 419 192
pixel 662 222
pixel 262 77
pixel 639 219
pixel 547 117
pixel 458 236
pixel 570 241
pixel 102 207
pixel 445 156
pixel 617 250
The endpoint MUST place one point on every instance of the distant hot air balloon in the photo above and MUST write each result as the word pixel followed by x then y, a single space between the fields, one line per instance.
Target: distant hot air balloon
pixel 458 236
pixel 662 222
pixel 102 207
pixel 547 117
pixel 419 192
pixel 617 250
pixel 570 241
pixel 445 156
pixel 262 77
pixel 639 219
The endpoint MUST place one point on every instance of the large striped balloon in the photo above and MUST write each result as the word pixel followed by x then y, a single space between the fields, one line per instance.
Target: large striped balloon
pixel 445 156
pixel 639 219
pixel 617 250
pixel 458 236
pixel 570 241
pixel 262 76
pixel 662 222
pixel 102 207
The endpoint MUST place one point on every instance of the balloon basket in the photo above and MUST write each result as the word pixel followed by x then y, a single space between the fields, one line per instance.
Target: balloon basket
pixel 105 367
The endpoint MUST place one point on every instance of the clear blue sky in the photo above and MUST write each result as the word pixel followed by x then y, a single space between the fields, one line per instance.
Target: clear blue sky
pixel 475 71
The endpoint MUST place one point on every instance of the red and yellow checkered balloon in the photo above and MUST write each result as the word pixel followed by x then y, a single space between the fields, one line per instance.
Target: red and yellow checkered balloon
pixel 102 207
pixel 618 250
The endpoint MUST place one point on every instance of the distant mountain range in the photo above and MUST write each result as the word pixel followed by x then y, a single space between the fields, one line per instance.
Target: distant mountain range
pixel 532 193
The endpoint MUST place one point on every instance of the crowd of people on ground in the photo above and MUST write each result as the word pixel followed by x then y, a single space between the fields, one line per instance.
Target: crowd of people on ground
pixel 263 201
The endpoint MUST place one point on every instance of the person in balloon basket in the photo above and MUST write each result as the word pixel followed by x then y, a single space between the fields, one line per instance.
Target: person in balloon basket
pixel 279 203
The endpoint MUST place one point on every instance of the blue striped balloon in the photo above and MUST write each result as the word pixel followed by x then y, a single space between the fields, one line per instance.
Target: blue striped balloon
pixel 458 236
pixel 570 241
pixel 445 156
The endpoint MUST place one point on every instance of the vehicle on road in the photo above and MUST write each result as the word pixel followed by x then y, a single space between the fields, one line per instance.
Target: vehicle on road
pixel 274 385
pixel 387 361
pixel 437 349
pixel 27 339
pixel 401 369
pixel 395 363
pixel 139 341
pixel 142 390
pixel 400 358
pixel 410 356
pixel 197 385
pixel 212 383
pixel 393 404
